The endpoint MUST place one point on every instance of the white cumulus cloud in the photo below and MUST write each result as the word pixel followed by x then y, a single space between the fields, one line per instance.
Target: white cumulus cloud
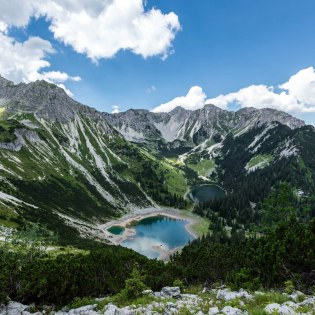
pixel 116 109
pixel 17 12
pixel 57 76
pixel 259 96
pixel 297 95
pixel 99 28
pixel 195 99
pixel 301 87
pixel 96 28
pixel 25 61
pixel 21 61
pixel 3 27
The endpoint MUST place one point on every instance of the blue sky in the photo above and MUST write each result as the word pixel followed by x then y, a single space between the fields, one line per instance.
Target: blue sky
pixel 222 46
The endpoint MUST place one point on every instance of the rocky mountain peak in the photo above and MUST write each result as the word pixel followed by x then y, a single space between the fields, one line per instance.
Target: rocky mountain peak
pixel 44 99
pixel 4 82
pixel 211 108
pixel 248 110
pixel 178 110
pixel 268 115
pixel 5 86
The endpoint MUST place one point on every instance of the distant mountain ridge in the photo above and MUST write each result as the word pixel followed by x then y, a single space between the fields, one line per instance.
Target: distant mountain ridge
pixel 192 127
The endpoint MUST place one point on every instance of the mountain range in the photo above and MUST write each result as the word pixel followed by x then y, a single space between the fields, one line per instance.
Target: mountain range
pixel 189 128
pixel 71 167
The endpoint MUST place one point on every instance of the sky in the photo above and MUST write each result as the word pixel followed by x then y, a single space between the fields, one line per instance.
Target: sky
pixel 158 54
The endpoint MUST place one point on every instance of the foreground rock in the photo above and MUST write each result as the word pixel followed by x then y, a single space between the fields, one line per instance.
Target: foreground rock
pixel 171 292
pixel 227 295
pixel 171 301
pixel 279 309
pixel 229 310
pixel 14 308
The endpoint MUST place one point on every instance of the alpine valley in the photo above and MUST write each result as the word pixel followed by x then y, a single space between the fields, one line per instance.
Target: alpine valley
pixel 64 164
pixel 69 170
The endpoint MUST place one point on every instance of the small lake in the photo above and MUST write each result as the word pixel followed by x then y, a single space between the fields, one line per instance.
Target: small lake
pixel 157 231
pixel 206 193
pixel 116 230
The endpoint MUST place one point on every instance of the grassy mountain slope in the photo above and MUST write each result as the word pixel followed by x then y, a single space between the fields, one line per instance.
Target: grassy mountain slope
pixel 64 165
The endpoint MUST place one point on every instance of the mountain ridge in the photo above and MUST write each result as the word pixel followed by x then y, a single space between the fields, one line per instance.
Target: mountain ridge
pixel 192 127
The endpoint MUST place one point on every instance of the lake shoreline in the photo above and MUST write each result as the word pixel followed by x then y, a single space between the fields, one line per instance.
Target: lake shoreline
pixel 140 214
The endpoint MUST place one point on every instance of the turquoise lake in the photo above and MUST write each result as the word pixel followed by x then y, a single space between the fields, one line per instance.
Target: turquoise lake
pixel 206 193
pixel 156 231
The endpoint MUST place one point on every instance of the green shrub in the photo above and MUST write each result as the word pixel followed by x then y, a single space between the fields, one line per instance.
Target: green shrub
pixel 78 302
pixel 179 283
pixel 243 279
pixel 134 286
pixel 289 286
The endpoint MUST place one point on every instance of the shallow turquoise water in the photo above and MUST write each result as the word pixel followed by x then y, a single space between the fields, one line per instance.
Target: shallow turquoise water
pixel 116 230
pixel 206 193
pixel 155 231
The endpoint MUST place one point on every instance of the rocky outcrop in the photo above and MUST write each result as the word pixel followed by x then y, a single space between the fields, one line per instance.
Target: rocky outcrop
pixel 84 310
pixel 227 295
pixel 283 309
pixel 229 310
pixel 171 301
pixel 214 310
pixel 14 308
pixel 171 292
pixel 22 135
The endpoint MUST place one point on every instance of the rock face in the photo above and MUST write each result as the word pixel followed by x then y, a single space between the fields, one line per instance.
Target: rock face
pixel 4 83
pixel 22 135
pixel 44 99
pixel 190 128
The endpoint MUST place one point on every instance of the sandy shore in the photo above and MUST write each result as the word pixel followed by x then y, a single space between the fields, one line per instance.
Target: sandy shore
pixel 140 214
